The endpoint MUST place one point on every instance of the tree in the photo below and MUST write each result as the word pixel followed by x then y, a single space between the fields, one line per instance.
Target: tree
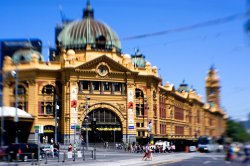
pixel 236 131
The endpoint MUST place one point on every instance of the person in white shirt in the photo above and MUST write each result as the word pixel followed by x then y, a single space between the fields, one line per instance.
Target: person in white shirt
pixel 52 150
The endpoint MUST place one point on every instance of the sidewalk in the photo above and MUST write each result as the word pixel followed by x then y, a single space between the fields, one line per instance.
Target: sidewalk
pixel 116 158
pixel 157 159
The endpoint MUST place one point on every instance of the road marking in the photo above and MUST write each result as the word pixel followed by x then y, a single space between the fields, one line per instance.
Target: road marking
pixel 206 162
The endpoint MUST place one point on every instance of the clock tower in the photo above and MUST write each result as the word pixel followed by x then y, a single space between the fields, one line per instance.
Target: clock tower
pixel 213 88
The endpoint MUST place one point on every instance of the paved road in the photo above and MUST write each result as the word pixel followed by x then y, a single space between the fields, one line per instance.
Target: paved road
pixel 206 160
pixel 118 158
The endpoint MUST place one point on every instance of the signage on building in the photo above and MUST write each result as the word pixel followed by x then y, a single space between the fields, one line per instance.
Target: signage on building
pixel 39 129
pixel 73 105
pixel 130 109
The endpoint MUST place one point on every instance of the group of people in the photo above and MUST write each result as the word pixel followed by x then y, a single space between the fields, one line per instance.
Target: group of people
pixel 232 153
pixel 54 148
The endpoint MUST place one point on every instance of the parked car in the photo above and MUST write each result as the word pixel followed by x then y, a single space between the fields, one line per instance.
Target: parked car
pixel 192 148
pixel 24 150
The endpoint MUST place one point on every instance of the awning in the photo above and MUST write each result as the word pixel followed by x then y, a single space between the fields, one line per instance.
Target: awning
pixel 11 112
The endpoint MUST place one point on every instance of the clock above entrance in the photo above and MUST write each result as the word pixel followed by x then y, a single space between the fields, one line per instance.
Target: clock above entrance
pixel 102 69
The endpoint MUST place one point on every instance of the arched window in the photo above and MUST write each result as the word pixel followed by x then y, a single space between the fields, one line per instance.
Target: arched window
pixel 139 102
pixel 49 109
pixel 48 90
pixel 20 90
pixel 21 94
pixel 47 106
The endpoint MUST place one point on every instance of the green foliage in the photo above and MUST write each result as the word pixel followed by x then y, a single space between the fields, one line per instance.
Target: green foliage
pixel 236 131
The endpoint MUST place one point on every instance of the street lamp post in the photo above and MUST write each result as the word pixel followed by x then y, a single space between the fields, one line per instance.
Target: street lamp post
pixel 2 112
pixel 56 109
pixel 15 75
pixel 86 124
pixel 2 123
pixel 114 140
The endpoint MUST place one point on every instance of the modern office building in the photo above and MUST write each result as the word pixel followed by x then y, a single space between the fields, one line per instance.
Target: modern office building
pixel 92 80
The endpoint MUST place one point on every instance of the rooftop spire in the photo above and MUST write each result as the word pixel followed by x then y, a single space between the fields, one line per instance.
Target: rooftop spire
pixel 88 12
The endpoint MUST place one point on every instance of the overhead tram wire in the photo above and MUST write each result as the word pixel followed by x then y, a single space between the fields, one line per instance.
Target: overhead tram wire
pixel 191 27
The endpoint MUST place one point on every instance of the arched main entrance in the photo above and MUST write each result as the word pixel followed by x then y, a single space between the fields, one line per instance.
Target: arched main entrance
pixel 108 126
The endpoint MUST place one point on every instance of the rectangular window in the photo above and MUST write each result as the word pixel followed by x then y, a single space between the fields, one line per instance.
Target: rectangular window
pixel 137 110
pixel 163 129
pixel 123 89
pixel 178 113
pixel 47 108
pixel 179 130
pixel 106 86
pixel 117 86
pixel 96 85
pixel 155 109
pixel 137 124
pixel 85 85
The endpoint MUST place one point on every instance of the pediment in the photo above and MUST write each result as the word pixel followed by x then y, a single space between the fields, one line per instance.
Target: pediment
pixel 99 64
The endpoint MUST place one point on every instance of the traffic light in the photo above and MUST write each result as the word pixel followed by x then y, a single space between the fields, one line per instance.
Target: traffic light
pixel 93 124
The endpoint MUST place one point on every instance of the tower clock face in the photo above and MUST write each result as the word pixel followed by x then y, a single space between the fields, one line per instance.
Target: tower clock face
pixel 102 70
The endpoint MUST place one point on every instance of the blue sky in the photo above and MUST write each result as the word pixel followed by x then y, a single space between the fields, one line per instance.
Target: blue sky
pixel 181 55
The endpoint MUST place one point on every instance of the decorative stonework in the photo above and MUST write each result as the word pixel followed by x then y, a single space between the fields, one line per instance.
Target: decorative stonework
pixel 104 105
pixel 102 69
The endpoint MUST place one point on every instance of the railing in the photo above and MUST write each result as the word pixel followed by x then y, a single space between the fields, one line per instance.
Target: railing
pixel 49 157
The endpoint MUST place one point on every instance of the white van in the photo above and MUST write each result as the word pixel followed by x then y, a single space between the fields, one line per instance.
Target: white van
pixel 207 144
pixel 164 144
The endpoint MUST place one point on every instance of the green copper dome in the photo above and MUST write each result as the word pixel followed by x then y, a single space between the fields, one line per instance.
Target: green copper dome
pixel 183 87
pixel 25 55
pixel 98 35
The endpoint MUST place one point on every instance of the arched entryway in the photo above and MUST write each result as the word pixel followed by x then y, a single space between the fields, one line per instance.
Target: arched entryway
pixel 108 126
pixel 48 135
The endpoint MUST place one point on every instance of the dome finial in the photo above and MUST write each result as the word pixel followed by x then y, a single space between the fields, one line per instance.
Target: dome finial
pixel 88 12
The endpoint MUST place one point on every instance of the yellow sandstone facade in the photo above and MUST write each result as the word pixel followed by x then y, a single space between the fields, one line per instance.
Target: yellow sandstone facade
pixel 91 79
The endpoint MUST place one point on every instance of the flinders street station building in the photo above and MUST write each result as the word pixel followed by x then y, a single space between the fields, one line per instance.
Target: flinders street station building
pixel 91 85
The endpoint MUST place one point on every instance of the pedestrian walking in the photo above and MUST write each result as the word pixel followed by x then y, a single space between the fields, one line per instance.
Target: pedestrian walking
pixel 70 148
pixel 150 154
pixel 146 152
pixel 229 152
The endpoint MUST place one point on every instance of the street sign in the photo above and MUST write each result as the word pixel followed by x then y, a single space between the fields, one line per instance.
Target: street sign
pixel 39 129
pixel 75 126
pixel 36 127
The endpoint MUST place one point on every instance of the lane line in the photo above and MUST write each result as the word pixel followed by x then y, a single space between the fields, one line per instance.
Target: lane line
pixel 206 162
